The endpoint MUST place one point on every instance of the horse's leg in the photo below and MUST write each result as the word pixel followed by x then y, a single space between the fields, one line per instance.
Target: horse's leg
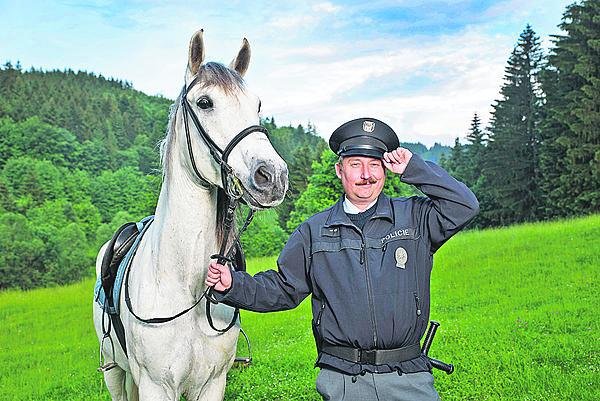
pixel 115 382
pixel 132 388
pixel 149 390
pixel 213 391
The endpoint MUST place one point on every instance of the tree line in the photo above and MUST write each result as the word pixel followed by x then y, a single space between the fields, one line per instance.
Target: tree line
pixel 539 158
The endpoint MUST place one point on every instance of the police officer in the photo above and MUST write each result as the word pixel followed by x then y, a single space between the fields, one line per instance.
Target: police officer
pixel 367 262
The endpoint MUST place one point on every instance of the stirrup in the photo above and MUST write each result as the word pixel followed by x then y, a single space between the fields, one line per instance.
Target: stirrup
pixel 103 365
pixel 244 361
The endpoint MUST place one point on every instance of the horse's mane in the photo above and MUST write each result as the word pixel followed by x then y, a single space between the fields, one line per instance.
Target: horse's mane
pixel 213 74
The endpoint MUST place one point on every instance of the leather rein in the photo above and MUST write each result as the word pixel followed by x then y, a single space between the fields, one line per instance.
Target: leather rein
pixel 234 191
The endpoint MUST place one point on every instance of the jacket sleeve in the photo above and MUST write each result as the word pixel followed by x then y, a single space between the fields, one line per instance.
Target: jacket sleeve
pixel 273 290
pixel 450 205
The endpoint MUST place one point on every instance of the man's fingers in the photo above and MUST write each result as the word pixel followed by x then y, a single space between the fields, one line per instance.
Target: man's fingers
pixel 215 267
pixel 393 157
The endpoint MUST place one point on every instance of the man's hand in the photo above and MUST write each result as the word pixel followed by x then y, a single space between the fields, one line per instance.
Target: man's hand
pixel 219 277
pixel 397 160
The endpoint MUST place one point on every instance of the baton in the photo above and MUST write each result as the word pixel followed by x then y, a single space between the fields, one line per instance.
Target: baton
pixel 446 367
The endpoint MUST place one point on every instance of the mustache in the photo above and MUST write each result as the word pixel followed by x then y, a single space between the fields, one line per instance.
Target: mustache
pixel 370 180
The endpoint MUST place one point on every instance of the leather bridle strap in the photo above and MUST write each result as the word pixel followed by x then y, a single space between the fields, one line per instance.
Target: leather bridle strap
pixel 238 138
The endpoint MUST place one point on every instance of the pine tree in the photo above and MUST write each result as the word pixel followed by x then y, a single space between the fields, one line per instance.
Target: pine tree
pixel 475 148
pixel 455 162
pixel 511 167
pixel 571 144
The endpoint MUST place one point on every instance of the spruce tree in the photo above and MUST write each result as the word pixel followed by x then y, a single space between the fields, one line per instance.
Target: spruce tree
pixel 455 162
pixel 511 167
pixel 474 157
pixel 474 152
pixel 570 160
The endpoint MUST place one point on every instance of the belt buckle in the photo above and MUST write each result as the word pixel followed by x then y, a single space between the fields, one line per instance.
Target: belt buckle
pixel 368 356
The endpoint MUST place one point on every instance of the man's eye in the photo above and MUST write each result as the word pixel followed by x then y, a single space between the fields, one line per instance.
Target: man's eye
pixel 204 103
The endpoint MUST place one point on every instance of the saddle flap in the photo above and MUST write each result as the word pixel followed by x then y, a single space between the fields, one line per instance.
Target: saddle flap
pixel 117 248
pixel 124 241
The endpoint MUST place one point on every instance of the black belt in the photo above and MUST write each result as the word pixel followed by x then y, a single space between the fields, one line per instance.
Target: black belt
pixel 375 356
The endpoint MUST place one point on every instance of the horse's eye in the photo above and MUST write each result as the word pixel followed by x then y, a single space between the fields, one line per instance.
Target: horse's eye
pixel 204 103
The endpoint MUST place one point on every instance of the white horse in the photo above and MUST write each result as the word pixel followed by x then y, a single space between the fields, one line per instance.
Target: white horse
pixel 185 356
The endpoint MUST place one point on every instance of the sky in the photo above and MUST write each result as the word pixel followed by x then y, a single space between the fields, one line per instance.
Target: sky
pixel 424 67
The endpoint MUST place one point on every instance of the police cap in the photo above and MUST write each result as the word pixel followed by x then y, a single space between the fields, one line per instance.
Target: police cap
pixel 363 137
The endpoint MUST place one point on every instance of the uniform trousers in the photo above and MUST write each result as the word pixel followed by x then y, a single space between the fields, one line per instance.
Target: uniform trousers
pixel 336 386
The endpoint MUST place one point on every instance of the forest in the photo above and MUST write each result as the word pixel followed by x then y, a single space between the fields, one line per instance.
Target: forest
pixel 79 156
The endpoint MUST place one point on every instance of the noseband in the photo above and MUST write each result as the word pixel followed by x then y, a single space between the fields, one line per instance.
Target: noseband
pixel 231 183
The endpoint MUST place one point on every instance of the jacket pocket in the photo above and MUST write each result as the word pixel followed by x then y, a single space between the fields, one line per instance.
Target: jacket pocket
pixel 316 326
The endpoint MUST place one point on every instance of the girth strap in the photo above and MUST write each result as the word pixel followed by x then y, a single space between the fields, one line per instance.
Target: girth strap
pixel 374 357
pixel 119 331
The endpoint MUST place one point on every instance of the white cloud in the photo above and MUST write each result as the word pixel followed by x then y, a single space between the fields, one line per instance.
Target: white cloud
pixel 465 79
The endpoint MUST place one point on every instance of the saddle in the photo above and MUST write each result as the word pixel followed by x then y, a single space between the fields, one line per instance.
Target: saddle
pixel 117 248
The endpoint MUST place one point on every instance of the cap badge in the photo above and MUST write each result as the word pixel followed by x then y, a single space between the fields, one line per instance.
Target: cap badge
pixel 368 126
pixel 401 257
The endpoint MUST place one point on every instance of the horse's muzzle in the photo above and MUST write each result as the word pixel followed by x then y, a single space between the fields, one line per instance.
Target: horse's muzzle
pixel 268 183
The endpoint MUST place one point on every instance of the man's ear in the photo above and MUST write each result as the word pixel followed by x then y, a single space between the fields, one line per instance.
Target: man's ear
pixel 338 170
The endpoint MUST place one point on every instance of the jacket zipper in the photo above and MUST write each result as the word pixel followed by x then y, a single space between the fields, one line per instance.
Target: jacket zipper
pixel 362 253
pixel 318 322
pixel 417 293
pixel 363 260
pixel 417 303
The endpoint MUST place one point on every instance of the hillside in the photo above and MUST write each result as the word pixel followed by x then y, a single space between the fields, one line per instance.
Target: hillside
pixel 433 153
pixel 517 306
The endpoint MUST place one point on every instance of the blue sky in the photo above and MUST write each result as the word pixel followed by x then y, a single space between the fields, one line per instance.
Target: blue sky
pixel 422 66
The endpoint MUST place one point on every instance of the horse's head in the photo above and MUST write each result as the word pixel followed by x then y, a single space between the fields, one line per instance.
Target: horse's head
pixel 221 120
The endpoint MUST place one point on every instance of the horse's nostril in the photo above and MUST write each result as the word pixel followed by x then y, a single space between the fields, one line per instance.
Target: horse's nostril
pixel 262 176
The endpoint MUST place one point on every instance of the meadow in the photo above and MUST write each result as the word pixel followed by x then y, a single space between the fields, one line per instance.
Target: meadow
pixel 518 308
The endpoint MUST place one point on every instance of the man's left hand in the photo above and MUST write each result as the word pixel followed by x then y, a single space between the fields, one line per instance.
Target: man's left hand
pixel 397 160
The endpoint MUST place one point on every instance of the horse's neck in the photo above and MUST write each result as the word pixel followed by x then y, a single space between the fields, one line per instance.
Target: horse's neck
pixel 184 234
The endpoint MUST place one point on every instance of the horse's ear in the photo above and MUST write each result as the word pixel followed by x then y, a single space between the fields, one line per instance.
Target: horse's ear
pixel 196 56
pixel 241 62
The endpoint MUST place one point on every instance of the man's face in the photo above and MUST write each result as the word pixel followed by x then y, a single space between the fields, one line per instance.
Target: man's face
pixel 362 178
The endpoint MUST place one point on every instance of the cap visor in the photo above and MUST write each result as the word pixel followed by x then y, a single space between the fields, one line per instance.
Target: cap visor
pixel 362 152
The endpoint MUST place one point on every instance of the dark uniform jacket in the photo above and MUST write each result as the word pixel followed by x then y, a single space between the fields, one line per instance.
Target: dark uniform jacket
pixel 366 292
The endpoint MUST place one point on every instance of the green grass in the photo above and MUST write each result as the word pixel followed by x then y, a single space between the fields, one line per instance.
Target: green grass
pixel 518 308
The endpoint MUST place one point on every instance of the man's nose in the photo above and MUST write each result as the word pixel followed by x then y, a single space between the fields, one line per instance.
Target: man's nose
pixel 365 173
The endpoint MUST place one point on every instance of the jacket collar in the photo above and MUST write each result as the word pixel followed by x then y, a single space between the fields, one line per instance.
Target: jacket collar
pixel 337 216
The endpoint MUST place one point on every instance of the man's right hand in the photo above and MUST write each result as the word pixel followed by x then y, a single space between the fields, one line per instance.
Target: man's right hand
pixel 219 277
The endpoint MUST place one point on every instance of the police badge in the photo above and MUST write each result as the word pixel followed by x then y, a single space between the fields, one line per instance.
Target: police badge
pixel 368 126
pixel 401 257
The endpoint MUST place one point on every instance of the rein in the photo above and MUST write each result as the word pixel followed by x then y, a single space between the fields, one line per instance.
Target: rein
pixel 234 191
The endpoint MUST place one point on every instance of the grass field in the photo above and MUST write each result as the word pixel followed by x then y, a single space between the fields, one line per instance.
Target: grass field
pixel 519 311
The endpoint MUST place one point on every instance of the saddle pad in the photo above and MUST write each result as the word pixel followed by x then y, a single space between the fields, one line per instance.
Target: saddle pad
pixel 99 295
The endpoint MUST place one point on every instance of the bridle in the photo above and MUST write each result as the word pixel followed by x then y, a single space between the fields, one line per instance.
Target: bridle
pixel 231 184
pixel 234 190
